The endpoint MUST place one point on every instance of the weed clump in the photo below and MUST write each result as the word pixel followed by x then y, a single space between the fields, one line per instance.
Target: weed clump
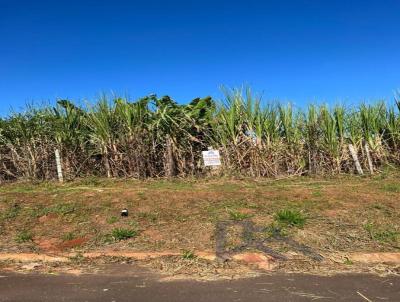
pixel 11 213
pixel 188 255
pixel 24 236
pixel 381 235
pixel 237 216
pixel 290 217
pixel 119 234
pixel 391 188
pixel 68 236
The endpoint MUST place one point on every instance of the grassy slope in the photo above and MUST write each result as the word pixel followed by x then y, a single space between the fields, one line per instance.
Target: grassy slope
pixel 341 214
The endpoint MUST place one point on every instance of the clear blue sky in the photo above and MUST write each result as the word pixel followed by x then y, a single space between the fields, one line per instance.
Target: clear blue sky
pixel 291 50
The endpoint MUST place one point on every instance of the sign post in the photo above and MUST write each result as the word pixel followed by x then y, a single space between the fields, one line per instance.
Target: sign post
pixel 211 158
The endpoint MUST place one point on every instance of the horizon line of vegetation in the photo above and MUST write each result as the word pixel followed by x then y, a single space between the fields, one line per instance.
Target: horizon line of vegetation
pixel 157 137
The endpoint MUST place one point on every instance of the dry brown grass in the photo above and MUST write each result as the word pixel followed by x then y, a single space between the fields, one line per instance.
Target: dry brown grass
pixel 343 214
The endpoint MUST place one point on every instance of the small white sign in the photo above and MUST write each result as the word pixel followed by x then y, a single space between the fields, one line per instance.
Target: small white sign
pixel 211 158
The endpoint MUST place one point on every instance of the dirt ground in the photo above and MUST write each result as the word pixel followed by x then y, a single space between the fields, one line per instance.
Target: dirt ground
pixel 296 218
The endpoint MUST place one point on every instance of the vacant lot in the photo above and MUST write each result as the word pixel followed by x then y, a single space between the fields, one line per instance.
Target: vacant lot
pixel 330 216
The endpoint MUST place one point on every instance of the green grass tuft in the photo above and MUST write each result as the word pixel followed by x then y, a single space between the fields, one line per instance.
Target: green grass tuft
pixel 112 220
pixel 188 255
pixel 237 216
pixel 11 213
pixel 68 236
pixel 381 235
pixel 392 188
pixel 290 217
pixel 122 234
pixel 24 236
